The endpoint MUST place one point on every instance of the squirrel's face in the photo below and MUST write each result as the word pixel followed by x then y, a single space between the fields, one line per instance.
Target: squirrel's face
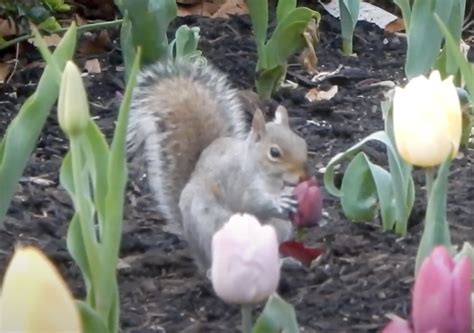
pixel 280 152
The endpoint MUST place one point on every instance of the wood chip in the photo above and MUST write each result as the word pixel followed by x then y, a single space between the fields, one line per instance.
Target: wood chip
pixel 92 66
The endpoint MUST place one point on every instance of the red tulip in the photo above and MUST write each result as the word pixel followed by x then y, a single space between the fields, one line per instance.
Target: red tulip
pixel 441 297
pixel 310 203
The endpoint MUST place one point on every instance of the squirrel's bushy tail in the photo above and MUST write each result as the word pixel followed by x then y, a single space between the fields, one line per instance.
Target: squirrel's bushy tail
pixel 177 110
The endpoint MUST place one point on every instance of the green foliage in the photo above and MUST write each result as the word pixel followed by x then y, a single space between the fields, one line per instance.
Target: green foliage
pixel 466 73
pixel 23 132
pixel 277 316
pixel 145 25
pixel 436 228
pixel 349 12
pixel 41 13
pixel 185 45
pixel 367 188
pixel 424 38
pixel 95 176
pixel 286 39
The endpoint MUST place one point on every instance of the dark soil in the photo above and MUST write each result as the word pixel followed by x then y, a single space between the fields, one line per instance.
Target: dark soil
pixel 364 274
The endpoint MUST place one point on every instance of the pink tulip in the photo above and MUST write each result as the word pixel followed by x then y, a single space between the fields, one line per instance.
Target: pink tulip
pixel 245 261
pixel 441 297
pixel 310 203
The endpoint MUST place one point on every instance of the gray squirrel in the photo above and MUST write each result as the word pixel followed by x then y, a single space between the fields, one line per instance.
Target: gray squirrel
pixel 203 164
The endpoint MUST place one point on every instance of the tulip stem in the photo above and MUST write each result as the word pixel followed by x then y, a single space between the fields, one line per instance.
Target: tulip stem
pixel 246 318
pixel 429 179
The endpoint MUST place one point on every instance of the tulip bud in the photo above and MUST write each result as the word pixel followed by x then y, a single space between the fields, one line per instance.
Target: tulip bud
pixel 427 120
pixel 35 298
pixel 245 261
pixel 73 108
pixel 310 203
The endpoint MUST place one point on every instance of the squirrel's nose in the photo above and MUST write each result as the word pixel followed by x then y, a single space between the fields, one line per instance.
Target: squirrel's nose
pixel 305 173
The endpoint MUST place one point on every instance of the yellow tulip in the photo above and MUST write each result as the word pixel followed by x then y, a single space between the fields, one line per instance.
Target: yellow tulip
pixel 35 299
pixel 427 120
pixel 73 108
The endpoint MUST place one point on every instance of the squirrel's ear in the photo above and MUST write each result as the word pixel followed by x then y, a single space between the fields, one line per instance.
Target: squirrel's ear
pixel 258 125
pixel 281 116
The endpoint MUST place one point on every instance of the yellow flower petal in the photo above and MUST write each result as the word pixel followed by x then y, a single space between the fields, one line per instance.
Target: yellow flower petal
pixel 35 299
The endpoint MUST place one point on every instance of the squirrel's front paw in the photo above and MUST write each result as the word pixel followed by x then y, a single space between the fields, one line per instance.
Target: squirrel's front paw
pixel 287 205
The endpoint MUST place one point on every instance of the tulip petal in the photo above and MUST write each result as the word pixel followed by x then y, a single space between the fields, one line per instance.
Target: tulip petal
pixel 310 203
pixel 397 325
pixel 432 292
pixel 245 261
pixel 462 307
pixel 297 250
pixel 35 298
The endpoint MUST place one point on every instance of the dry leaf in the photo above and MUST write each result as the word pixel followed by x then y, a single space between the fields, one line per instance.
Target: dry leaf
pixel 50 40
pixel 202 9
pixel 308 57
pixel 79 20
pixel 395 26
pixel 92 66
pixel 232 7
pixel 5 70
pixel 94 43
pixel 315 95
pixel 7 27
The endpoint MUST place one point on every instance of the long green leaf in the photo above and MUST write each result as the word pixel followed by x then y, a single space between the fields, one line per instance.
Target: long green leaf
pixel 424 38
pixel 258 10
pixel 405 7
pixel 287 37
pixel 116 183
pixel 23 132
pixel 349 13
pixel 465 67
pixel 91 321
pixel 277 316
pixel 284 7
pixel 436 229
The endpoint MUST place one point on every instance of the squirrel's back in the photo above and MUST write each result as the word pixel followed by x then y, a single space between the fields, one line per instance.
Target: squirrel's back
pixel 178 109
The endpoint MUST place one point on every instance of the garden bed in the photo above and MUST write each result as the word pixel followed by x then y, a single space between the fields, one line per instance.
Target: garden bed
pixel 364 273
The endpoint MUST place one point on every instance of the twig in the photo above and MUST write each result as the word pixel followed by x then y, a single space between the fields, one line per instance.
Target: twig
pixel 81 29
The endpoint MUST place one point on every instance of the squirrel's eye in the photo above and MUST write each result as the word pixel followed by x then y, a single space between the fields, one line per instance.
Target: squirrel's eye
pixel 275 152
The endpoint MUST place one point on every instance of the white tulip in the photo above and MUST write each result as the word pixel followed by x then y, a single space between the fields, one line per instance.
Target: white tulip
pixel 427 120
pixel 245 261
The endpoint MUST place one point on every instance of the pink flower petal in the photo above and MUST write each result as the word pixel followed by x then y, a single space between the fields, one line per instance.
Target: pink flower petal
pixel 462 307
pixel 433 293
pixel 397 325
pixel 309 203
pixel 298 251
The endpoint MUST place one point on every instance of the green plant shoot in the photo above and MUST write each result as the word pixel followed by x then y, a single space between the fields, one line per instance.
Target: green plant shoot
pixel 23 132
pixel 277 316
pixel 368 189
pixel 95 176
pixel 286 39
pixel 424 39
pixel 349 12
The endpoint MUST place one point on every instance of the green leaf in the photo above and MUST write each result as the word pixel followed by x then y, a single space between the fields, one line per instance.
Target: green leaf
pixel 23 132
pixel 455 25
pixel 149 24
pixel 90 319
pixel 405 7
pixel 287 38
pixel 114 202
pixel 269 80
pixel 57 5
pixel 277 317
pixel 359 194
pixel 453 47
pixel 126 43
pixel 185 44
pixel 258 10
pixel 50 24
pixel 402 182
pixel 284 7
pixel 436 228
pixel 424 39
pixel 349 12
